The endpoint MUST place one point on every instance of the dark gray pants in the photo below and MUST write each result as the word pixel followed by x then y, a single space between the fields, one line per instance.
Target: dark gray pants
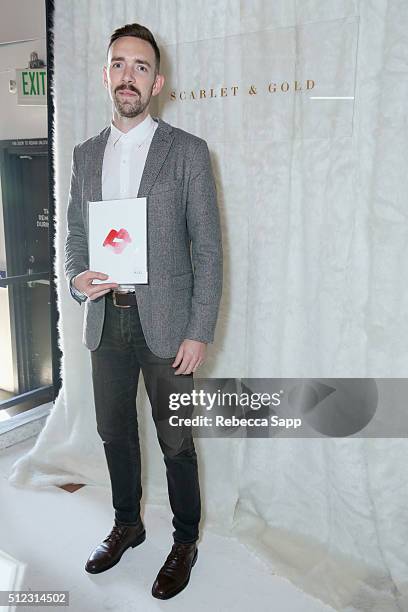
pixel 116 365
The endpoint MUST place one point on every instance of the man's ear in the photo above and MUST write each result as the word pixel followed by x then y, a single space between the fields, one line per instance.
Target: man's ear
pixel 159 82
pixel 105 77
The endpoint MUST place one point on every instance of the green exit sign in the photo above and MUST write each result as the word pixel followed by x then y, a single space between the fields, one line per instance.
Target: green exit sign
pixel 31 86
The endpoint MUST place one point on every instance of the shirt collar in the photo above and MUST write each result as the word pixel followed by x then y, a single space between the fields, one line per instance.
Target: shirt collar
pixel 136 135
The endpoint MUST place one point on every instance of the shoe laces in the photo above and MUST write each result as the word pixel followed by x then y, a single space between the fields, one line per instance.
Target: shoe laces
pixel 116 533
pixel 177 553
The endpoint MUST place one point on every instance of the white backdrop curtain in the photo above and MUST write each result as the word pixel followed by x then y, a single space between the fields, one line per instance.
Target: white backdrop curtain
pixel 313 204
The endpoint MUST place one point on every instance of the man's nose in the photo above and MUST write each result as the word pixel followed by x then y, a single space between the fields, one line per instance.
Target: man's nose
pixel 128 75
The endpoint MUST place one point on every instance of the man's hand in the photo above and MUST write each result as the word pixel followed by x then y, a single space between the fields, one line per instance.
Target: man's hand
pixel 83 282
pixel 190 356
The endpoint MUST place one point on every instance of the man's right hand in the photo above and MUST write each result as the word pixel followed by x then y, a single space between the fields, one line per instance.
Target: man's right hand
pixel 83 282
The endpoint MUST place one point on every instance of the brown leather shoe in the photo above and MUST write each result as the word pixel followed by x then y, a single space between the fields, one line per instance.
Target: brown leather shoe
pixel 174 575
pixel 110 551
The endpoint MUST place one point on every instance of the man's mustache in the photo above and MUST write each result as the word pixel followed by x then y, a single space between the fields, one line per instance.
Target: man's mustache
pixel 129 88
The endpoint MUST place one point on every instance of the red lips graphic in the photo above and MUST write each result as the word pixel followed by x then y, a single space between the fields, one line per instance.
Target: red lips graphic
pixel 117 240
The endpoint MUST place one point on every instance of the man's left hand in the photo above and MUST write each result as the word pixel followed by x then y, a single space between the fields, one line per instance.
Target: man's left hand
pixel 190 356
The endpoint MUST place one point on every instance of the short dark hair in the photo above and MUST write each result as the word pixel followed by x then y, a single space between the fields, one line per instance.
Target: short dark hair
pixel 138 31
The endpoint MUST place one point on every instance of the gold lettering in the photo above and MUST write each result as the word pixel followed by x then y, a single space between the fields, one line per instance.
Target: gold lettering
pixel 205 93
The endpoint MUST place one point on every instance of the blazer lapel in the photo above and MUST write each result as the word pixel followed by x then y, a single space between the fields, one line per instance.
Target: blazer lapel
pixel 158 150
pixel 98 151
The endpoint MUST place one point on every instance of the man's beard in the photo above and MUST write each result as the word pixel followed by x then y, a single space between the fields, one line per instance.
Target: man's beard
pixel 131 106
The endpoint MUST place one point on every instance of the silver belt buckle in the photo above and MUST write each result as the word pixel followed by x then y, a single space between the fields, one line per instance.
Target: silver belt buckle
pixel 120 305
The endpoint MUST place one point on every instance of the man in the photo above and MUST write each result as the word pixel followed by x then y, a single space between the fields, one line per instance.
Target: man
pixel 161 327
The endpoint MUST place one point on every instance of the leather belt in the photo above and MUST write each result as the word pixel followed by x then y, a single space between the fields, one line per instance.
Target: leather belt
pixel 123 299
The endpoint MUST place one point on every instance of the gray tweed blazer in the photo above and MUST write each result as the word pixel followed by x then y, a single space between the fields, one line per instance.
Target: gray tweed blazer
pixel 185 269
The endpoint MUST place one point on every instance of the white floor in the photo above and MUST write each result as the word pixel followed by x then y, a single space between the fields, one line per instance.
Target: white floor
pixel 53 532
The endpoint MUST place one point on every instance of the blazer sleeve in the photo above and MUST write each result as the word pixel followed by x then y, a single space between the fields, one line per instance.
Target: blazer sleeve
pixel 76 245
pixel 204 229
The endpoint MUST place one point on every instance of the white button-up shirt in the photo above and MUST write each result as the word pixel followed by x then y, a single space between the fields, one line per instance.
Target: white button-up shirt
pixel 124 160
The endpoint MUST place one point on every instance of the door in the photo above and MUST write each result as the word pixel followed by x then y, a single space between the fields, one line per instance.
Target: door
pixel 26 279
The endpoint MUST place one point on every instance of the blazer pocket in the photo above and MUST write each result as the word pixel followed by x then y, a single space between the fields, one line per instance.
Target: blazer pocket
pixel 182 281
pixel 165 186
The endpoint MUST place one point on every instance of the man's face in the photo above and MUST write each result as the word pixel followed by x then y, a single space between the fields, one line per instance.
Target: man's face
pixel 130 77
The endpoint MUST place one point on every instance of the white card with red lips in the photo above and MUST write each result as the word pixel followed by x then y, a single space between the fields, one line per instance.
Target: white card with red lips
pixel 118 240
